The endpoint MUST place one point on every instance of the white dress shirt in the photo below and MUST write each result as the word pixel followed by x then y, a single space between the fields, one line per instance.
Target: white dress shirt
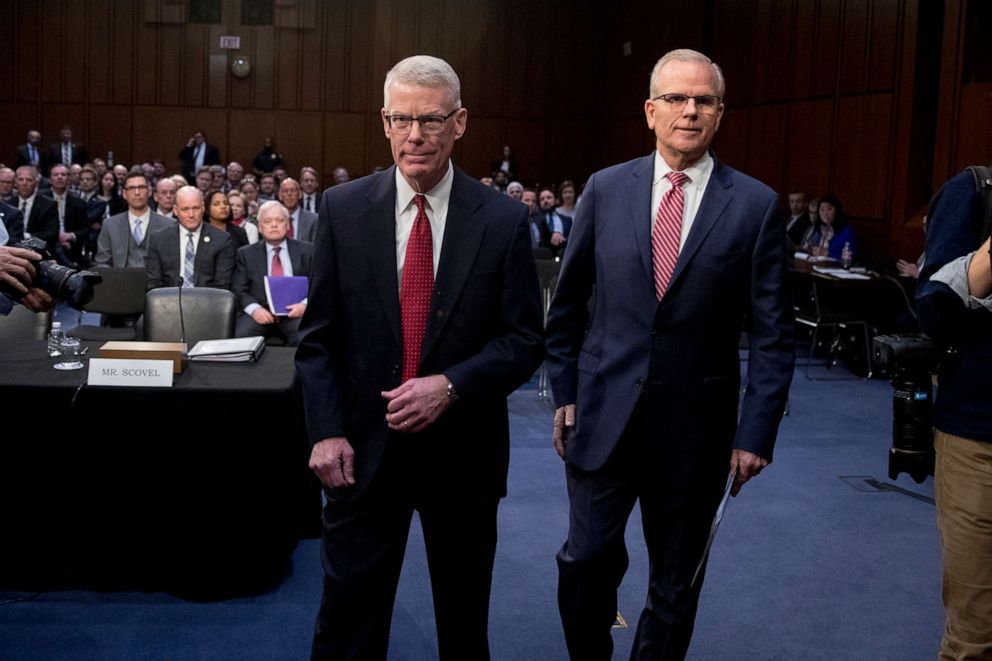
pixel 436 207
pixel 699 175
pixel 183 232
pixel 26 210
pixel 144 218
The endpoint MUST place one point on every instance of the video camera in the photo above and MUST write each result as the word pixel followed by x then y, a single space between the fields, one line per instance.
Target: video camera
pixel 63 283
pixel 911 360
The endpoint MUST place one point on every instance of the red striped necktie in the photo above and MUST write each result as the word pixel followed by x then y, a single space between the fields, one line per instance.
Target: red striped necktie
pixel 667 233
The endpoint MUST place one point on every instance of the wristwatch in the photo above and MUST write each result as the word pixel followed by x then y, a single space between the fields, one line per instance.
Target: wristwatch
pixel 452 393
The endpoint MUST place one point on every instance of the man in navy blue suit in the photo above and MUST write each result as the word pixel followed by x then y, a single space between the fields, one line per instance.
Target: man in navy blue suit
pixel 424 314
pixel 683 253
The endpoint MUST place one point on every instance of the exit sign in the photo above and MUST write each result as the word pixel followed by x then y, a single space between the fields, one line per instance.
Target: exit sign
pixel 230 42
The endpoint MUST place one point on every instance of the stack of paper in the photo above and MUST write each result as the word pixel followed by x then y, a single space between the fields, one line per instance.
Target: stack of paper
pixel 234 350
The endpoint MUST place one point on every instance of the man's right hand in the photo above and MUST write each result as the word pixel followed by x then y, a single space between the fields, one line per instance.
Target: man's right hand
pixel 564 424
pixel 333 460
pixel 16 268
pixel 263 317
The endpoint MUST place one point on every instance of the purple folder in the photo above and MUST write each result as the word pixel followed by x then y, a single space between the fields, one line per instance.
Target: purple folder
pixel 285 290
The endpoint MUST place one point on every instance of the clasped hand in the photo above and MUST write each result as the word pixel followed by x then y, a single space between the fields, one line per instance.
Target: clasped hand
pixel 417 404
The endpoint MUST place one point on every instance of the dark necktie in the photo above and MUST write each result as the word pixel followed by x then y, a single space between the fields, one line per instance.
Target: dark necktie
pixel 289 230
pixel 308 203
pixel 667 233
pixel 416 288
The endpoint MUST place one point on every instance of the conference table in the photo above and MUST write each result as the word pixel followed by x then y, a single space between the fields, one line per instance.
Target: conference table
pixel 200 488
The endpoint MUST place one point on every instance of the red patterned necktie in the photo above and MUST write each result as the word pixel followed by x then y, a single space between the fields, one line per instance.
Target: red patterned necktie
pixel 276 269
pixel 289 230
pixel 667 233
pixel 416 288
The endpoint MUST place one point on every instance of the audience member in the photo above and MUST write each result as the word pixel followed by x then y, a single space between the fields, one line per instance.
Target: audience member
pixel 303 224
pixel 235 174
pixel 309 184
pixel 798 223
pixel 74 224
pixel 75 171
pixel 125 237
pixel 204 180
pixel 66 151
pixel 276 255
pixel 487 182
pixel 567 199
pixel 110 193
pixel 198 153
pixel 268 159
pixel 158 170
pixel 507 164
pixel 99 165
pixel 195 252
pixel 558 225
pixel 96 207
pixel 165 197
pixel 219 175
pixel 529 197
pixel 30 153
pixel 515 189
pixel 500 181
pixel 218 214
pixel 266 187
pixel 13 222
pixel 41 218
pixel 239 217
pixel 279 172
pixel 831 232
pixel 341 175
pixel 6 185
pixel 120 173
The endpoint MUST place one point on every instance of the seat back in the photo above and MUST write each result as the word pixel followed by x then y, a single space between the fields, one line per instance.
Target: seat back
pixel 208 314
pixel 121 292
pixel 23 324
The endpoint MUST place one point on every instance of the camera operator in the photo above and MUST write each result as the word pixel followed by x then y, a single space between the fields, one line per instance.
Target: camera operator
pixel 955 304
pixel 17 270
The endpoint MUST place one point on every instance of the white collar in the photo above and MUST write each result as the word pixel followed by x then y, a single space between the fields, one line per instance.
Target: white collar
pixel 698 172
pixel 437 197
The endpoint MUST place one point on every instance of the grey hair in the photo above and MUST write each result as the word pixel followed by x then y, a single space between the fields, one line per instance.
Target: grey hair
pixel 686 55
pixel 273 204
pixel 31 170
pixel 189 189
pixel 514 184
pixel 424 71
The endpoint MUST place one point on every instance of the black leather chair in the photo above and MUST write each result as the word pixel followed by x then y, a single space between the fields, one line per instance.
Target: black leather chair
pixel 121 296
pixel 23 324
pixel 208 314
pixel 829 305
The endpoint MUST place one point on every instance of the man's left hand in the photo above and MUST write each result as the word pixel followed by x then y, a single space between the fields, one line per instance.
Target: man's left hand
pixel 417 404
pixel 747 464
pixel 37 300
pixel 557 239
pixel 296 310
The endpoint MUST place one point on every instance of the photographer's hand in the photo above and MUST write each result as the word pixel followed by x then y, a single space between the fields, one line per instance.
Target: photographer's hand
pixel 980 272
pixel 37 300
pixel 16 268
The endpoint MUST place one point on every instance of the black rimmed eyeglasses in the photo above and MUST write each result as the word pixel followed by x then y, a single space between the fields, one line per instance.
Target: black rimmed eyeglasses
pixel 428 123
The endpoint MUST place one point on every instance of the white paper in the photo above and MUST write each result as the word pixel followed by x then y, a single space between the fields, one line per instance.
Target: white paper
pixel 130 372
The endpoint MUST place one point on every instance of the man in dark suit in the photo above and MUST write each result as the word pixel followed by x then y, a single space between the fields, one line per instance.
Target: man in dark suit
pixel 198 153
pixel 798 221
pixel 310 186
pixel 647 388
pixel 303 224
pixel 6 185
pixel 125 237
pixel 197 252
pixel 274 255
pixel 66 151
pixel 41 218
pixel 424 314
pixel 559 226
pixel 13 222
pixel 32 153
pixel 74 225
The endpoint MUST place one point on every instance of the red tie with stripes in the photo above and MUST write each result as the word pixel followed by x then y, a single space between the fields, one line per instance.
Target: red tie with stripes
pixel 276 270
pixel 667 233
pixel 416 287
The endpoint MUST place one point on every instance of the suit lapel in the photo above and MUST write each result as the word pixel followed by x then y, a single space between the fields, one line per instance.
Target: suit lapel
pixel 378 227
pixel 639 198
pixel 295 259
pixel 203 251
pixel 716 197
pixel 463 234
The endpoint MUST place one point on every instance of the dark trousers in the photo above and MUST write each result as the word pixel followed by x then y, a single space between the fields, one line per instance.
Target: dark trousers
pixel 362 553
pixel 676 512
pixel 285 328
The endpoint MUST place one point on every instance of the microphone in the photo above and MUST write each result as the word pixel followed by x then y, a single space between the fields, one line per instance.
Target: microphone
pixel 182 322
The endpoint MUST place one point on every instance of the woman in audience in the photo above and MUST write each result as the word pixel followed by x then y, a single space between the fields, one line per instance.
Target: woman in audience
pixel 507 164
pixel 566 196
pixel 110 193
pixel 238 215
pixel 218 214
pixel 831 232
pixel 249 187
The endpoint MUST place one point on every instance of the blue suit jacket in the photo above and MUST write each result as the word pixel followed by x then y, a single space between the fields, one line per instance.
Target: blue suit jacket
pixel 483 331
pixel 681 353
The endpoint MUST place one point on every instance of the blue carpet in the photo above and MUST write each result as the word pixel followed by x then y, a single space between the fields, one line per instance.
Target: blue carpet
pixel 806 566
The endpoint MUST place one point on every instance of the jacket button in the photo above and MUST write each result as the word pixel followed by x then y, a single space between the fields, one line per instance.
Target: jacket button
pixel 396 369
pixel 654 333
pixel 639 382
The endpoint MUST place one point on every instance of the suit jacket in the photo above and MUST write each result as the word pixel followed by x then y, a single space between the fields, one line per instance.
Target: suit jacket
pixel 13 220
pixel 251 267
pixel 43 221
pixel 307 230
pixel 76 222
pixel 483 331
pixel 114 241
pixel 680 354
pixel 213 266
pixel 79 154
pixel 316 201
pixel 211 156
pixel 24 158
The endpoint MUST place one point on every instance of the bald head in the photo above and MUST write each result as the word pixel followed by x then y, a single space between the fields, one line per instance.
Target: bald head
pixel 189 207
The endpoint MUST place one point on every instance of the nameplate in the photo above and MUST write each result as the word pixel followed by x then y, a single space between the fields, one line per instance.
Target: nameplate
pixel 130 373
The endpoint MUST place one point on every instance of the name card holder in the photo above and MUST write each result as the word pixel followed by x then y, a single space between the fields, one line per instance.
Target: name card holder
pixel 130 373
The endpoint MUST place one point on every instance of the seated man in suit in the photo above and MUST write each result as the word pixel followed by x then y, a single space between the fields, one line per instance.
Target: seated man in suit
pixel 275 255
pixel 123 239
pixel 66 151
pixel 558 225
pixel 310 184
pixel 74 226
pixel 6 185
pixel 303 224
pixel 41 218
pixel 12 221
pixel 192 253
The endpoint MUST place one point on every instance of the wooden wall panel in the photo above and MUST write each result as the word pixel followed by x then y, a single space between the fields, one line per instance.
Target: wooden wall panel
pixel 765 163
pixel 159 133
pixel 295 135
pixel 863 125
pixel 974 144
pixel 97 53
pixel 802 52
pixel 110 129
pixel 886 26
pixel 264 68
pixel 246 130
pixel 731 141
pixel 345 143
pixel 73 42
pixel 477 152
pixel 854 35
pixel 28 40
pixel 7 51
pixel 828 31
pixel 123 18
pixel 810 130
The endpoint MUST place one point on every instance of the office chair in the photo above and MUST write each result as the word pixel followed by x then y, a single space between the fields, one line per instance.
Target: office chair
pixel 121 294
pixel 23 324
pixel 208 314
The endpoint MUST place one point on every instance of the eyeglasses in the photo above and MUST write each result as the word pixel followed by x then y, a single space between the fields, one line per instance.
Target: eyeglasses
pixel 705 104
pixel 428 123
pixel 131 189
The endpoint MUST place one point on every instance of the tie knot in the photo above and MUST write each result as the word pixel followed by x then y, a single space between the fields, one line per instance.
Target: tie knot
pixel 419 201
pixel 189 235
pixel 677 178
pixel 276 250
